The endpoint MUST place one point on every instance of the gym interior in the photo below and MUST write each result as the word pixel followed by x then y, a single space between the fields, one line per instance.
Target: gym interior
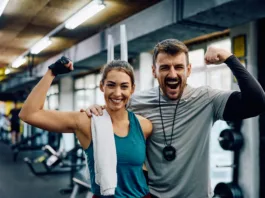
pixel 34 34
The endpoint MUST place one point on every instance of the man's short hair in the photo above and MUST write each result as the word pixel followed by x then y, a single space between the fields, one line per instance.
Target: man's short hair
pixel 171 47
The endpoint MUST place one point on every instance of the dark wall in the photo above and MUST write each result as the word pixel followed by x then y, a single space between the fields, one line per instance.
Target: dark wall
pixel 261 78
pixel 18 96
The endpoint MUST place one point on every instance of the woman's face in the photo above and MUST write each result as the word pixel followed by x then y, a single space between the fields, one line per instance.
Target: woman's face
pixel 117 89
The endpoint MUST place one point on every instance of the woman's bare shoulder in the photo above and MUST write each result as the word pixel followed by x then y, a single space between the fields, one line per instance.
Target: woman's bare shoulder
pixel 146 125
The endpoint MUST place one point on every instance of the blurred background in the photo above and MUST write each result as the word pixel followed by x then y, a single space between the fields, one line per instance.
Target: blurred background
pixel 34 34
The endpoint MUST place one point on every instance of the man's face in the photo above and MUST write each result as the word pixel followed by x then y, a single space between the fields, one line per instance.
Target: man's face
pixel 172 72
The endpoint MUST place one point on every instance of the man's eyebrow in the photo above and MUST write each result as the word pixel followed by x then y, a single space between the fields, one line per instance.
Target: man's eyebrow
pixel 179 65
pixel 109 81
pixel 163 65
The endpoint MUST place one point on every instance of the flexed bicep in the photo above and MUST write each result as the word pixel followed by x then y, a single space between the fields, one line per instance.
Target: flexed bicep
pixel 54 121
pixel 32 111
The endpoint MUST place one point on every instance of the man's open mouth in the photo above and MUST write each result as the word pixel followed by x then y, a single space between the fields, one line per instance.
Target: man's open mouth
pixel 172 84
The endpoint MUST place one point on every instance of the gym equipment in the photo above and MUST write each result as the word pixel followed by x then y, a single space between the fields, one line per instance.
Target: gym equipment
pixel 53 162
pixel 5 136
pixel 25 145
pixel 81 184
pixel 227 190
pixel 36 142
pixel 230 139
pixel 75 166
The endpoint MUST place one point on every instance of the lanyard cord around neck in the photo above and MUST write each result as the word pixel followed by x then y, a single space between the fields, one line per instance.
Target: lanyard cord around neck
pixel 175 113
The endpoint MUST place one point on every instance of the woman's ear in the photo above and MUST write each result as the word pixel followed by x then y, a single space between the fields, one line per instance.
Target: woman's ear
pixel 133 89
pixel 101 86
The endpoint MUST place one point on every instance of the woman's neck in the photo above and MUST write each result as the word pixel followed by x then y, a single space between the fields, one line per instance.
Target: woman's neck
pixel 117 116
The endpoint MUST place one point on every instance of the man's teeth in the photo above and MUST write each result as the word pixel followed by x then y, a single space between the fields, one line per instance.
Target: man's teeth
pixel 172 83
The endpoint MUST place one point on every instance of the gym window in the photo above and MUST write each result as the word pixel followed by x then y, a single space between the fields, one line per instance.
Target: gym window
pixel 87 92
pixel 52 98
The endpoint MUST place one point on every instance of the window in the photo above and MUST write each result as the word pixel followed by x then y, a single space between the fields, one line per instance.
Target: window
pixel 52 99
pixel 198 77
pixel 79 99
pixel 87 91
pixel 90 82
pixel 79 83
pixel 99 94
pixel 196 58
pixel 219 77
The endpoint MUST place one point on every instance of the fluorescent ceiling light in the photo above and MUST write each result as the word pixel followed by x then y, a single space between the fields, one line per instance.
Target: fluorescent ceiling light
pixel 3 4
pixel 41 45
pixel 19 61
pixel 87 12
pixel 7 71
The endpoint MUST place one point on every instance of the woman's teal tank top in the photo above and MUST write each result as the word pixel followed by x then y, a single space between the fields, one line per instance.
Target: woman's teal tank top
pixel 130 158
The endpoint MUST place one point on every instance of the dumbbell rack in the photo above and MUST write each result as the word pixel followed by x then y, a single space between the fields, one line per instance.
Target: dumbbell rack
pixel 232 140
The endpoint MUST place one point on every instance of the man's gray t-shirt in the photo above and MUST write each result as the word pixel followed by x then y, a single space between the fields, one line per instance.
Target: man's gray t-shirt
pixel 188 175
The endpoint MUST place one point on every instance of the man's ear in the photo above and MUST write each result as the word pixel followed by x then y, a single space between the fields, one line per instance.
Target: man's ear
pixel 154 71
pixel 189 70
pixel 101 87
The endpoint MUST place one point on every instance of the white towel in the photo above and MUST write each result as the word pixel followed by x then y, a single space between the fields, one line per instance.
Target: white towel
pixel 105 156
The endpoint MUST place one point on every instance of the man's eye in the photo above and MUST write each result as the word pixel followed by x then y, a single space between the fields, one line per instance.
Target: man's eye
pixel 178 67
pixel 110 85
pixel 163 68
pixel 124 87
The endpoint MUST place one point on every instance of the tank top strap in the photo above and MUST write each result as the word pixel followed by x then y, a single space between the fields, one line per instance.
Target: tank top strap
pixel 135 125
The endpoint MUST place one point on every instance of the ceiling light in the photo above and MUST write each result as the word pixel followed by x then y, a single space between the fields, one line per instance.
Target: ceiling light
pixel 88 11
pixel 3 4
pixel 41 45
pixel 7 71
pixel 19 61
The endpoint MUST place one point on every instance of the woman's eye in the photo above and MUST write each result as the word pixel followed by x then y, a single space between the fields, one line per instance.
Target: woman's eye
pixel 110 85
pixel 124 87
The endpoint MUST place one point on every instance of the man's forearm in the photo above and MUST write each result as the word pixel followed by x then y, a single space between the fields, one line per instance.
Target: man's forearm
pixel 250 101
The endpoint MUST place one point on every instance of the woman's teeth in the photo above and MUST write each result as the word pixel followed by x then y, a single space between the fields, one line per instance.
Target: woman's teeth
pixel 116 101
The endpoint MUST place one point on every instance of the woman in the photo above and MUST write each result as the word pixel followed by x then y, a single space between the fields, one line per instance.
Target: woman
pixel 117 84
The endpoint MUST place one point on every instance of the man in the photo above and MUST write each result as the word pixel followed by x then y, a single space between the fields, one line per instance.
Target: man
pixel 15 124
pixel 182 117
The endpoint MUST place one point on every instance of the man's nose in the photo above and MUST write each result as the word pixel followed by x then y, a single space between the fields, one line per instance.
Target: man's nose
pixel 172 73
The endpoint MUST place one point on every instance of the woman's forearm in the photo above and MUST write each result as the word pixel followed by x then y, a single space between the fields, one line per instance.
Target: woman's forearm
pixel 36 98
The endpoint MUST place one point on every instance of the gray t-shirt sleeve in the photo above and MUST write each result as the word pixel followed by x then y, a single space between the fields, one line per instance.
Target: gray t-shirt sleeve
pixel 129 104
pixel 218 99
pixel 135 104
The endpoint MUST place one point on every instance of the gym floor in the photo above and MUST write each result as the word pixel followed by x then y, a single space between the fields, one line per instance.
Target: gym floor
pixel 16 180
